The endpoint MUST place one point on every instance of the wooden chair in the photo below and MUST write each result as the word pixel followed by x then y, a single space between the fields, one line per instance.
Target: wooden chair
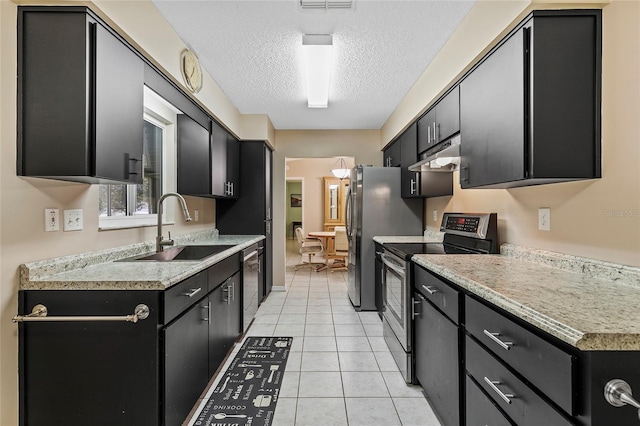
pixel 342 250
pixel 309 247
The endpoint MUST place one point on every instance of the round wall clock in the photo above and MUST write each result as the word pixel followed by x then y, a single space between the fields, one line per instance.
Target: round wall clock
pixel 191 71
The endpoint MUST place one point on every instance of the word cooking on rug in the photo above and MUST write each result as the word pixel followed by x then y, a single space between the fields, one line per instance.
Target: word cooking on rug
pixel 248 390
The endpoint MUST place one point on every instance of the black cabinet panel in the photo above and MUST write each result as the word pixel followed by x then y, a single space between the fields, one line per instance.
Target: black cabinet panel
pixel 193 157
pixel 437 366
pixel 80 97
pixel 448 115
pixel 185 362
pixel 492 102
pixel 250 214
pixel 218 160
pixel 410 181
pixel 392 155
pixel 533 102
pixel 426 138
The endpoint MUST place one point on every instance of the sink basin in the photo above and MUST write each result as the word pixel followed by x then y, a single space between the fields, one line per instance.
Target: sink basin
pixel 182 253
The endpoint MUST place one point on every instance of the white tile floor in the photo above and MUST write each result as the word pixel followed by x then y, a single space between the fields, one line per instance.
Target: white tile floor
pixel 340 371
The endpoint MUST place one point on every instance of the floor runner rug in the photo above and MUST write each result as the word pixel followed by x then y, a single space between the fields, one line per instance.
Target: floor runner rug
pixel 247 392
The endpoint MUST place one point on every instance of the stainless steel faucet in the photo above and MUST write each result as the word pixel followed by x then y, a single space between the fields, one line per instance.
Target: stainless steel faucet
pixel 160 241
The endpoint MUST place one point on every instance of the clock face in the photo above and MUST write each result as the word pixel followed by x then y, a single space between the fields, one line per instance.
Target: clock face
pixel 191 71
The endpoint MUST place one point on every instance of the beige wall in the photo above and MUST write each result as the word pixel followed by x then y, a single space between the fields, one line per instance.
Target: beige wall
pixel 362 145
pixel 599 218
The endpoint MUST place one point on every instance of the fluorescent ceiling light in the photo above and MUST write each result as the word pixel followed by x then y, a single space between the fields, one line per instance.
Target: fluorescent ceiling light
pixel 316 54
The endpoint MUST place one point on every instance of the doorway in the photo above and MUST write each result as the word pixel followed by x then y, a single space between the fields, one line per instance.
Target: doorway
pixel 294 199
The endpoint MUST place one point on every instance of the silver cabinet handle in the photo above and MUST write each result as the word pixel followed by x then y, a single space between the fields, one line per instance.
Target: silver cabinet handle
pixel 494 336
pixel 207 308
pixel 259 266
pixel 428 135
pixel 435 138
pixel 505 396
pixel 192 292
pixel 413 187
pixel 430 289
pixel 39 314
pixel 617 392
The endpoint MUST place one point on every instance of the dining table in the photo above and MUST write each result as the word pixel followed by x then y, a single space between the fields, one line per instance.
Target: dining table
pixel 328 241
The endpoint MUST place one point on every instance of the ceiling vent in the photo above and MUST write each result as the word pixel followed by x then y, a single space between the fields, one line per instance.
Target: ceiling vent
pixel 326 4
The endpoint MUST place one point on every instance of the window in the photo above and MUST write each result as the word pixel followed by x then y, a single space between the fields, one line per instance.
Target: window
pixel 125 206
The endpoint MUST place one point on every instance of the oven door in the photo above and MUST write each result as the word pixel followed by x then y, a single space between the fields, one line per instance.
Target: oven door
pixel 396 298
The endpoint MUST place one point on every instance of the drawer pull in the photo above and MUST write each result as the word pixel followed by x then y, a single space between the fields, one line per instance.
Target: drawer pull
pixel 494 336
pixel 193 292
pixel 430 289
pixel 505 396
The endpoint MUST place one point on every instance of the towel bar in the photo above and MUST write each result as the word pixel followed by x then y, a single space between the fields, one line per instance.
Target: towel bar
pixel 39 313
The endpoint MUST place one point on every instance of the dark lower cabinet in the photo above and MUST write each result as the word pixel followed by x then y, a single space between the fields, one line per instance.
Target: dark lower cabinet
pixel 437 354
pixel 186 361
pixel 148 373
pixel 480 409
pixel 225 304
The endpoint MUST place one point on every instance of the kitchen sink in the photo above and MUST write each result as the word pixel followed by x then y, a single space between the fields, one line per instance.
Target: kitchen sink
pixel 181 253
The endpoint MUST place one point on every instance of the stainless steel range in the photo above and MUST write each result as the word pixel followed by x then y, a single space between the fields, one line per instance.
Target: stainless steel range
pixel 465 233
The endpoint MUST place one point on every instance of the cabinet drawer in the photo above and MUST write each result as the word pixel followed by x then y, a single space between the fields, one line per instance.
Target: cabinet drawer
pixel 184 294
pixel 441 294
pixel 222 270
pixel 524 406
pixel 545 365
pixel 480 410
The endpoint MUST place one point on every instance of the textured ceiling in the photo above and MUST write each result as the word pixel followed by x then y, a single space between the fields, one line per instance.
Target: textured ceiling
pixel 252 49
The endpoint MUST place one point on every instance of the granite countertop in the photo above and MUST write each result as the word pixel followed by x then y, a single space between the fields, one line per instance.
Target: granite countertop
pixel 101 270
pixel 589 304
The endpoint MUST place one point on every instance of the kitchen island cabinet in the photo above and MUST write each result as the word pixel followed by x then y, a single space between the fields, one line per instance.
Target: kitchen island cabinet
pixel 80 98
pixel 148 373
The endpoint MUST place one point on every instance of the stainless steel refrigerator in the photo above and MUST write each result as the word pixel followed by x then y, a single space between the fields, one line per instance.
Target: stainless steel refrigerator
pixel 374 207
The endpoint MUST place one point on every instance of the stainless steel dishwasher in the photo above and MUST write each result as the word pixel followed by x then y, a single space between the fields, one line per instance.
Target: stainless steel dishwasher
pixel 251 269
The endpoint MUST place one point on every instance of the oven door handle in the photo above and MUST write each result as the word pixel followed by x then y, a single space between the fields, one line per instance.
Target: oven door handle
pixel 399 269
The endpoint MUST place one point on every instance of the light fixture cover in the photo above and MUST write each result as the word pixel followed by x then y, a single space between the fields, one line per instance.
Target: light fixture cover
pixel 316 53
pixel 340 169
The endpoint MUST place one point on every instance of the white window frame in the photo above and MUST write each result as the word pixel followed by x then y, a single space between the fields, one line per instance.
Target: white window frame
pixel 164 115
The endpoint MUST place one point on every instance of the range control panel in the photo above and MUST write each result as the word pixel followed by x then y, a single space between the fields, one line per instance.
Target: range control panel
pixel 462 223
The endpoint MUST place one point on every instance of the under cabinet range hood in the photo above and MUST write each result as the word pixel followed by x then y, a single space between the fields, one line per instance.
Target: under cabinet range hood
pixel 444 157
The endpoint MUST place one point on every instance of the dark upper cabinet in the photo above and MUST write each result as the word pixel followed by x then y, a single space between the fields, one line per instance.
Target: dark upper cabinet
pixel 530 110
pixel 250 214
pixel 391 156
pixel 193 158
pixel 410 181
pixel 441 122
pixel 224 163
pixel 80 98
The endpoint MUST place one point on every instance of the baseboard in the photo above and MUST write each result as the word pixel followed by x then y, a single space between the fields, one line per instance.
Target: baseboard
pixel 279 288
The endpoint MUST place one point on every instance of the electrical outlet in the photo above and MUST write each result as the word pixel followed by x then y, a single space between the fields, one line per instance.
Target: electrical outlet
pixel 435 215
pixel 196 216
pixel 51 220
pixel 544 219
pixel 73 220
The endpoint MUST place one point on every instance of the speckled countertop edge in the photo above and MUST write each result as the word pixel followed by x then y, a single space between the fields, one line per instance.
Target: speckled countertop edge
pixel 583 302
pixel 100 270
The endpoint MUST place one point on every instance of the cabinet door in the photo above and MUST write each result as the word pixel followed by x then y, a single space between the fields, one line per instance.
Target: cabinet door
pixel 218 302
pixel 410 181
pixel 448 115
pixel 426 138
pixel 235 308
pixel 193 157
pixel 233 166
pixel 391 155
pixel 492 109
pixel 119 83
pixel 218 160
pixel 437 361
pixel 185 362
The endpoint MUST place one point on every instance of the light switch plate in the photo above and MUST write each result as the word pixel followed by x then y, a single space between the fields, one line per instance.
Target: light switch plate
pixel 73 220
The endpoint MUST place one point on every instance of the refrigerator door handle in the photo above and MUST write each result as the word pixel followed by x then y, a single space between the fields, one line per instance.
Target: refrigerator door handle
pixel 347 212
